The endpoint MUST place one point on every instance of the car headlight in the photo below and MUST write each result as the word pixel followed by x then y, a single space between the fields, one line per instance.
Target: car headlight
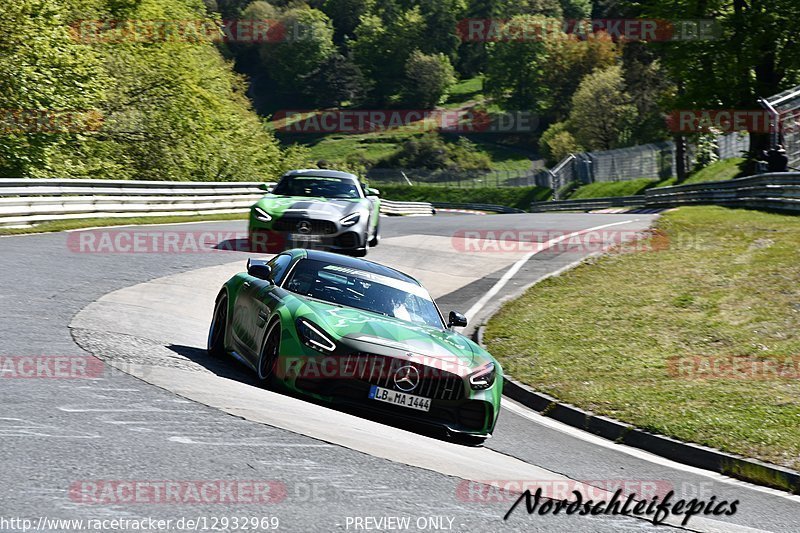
pixel 350 219
pixel 261 215
pixel 483 378
pixel 312 336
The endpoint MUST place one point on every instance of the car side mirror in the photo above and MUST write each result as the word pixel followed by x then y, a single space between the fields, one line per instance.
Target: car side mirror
pixel 456 320
pixel 266 187
pixel 259 269
pixel 373 192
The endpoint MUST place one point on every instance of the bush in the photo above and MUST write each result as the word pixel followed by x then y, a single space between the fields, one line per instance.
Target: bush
pixel 428 79
pixel 557 142
pixel 421 155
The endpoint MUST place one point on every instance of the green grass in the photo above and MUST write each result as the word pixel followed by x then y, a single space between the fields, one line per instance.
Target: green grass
pixel 519 197
pixel 370 146
pixel 601 335
pixel 465 91
pixel 61 225
pixel 602 189
pixel 718 171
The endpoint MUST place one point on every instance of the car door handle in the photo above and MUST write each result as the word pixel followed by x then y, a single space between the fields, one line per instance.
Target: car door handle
pixel 246 284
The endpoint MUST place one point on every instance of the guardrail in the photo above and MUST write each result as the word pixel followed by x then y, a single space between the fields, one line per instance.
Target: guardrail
pixel 776 191
pixel 589 204
pixel 25 202
pixel 492 208
pixel 389 207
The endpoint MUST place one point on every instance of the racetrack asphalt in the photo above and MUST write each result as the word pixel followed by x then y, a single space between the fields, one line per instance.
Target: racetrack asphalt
pixel 56 433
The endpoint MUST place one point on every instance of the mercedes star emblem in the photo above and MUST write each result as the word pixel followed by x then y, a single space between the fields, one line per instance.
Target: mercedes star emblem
pixel 304 226
pixel 406 378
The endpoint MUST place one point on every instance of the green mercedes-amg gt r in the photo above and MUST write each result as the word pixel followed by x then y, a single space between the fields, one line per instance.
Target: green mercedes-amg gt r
pixel 320 209
pixel 342 329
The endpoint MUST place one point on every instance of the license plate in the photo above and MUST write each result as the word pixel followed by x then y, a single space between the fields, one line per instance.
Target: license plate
pixel 399 398
pixel 302 237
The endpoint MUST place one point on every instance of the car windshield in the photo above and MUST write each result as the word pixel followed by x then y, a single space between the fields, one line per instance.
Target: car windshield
pixel 317 186
pixel 364 290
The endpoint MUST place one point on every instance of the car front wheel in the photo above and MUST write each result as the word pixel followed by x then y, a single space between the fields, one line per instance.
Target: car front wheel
pixel 216 334
pixel 270 351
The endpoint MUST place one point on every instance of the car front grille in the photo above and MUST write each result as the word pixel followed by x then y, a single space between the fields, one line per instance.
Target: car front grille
pixel 380 370
pixel 318 227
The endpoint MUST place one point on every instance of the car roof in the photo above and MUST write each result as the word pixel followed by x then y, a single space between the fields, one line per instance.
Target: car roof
pixel 361 264
pixel 322 173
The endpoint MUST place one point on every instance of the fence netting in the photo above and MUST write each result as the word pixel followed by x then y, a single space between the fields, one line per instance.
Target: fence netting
pixel 786 122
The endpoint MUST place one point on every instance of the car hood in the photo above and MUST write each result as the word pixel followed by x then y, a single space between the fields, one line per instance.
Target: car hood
pixel 398 335
pixel 309 207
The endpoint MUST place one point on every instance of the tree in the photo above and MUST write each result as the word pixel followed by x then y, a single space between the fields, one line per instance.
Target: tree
pixel 557 142
pixel 567 60
pixel 753 52
pixel 602 112
pixel 649 87
pixel 512 8
pixel 346 15
pixel 382 48
pixel 308 44
pixel 335 82
pixel 576 9
pixel 516 66
pixel 260 10
pixel 43 71
pixel 441 25
pixel 428 79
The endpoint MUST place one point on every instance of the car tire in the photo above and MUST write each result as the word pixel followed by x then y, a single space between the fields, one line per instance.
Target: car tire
pixel 376 239
pixel 270 351
pixel 468 440
pixel 219 324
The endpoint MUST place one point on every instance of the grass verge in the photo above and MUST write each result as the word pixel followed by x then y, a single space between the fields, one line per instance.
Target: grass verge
pixel 718 171
pixel 602 335
pixel 62 225
pixel 519 197
pixel 602 189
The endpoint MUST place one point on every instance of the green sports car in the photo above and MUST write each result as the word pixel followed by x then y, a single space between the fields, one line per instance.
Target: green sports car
pixel 320 209
pixel 347 330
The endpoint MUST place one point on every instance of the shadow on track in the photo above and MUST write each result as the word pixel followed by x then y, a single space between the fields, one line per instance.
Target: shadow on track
pixel 232 369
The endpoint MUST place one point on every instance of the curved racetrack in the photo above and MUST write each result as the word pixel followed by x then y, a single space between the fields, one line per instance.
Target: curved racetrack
pixel 163 410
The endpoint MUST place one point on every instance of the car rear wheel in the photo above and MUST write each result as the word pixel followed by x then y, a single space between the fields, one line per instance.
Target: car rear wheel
pixel 270 350
pixel 216 334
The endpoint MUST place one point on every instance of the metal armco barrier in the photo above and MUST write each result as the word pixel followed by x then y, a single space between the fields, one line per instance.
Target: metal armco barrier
pixel 25 202
pixel 389 207
pixel 589 204
pixel 776 191
pixel 492 208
